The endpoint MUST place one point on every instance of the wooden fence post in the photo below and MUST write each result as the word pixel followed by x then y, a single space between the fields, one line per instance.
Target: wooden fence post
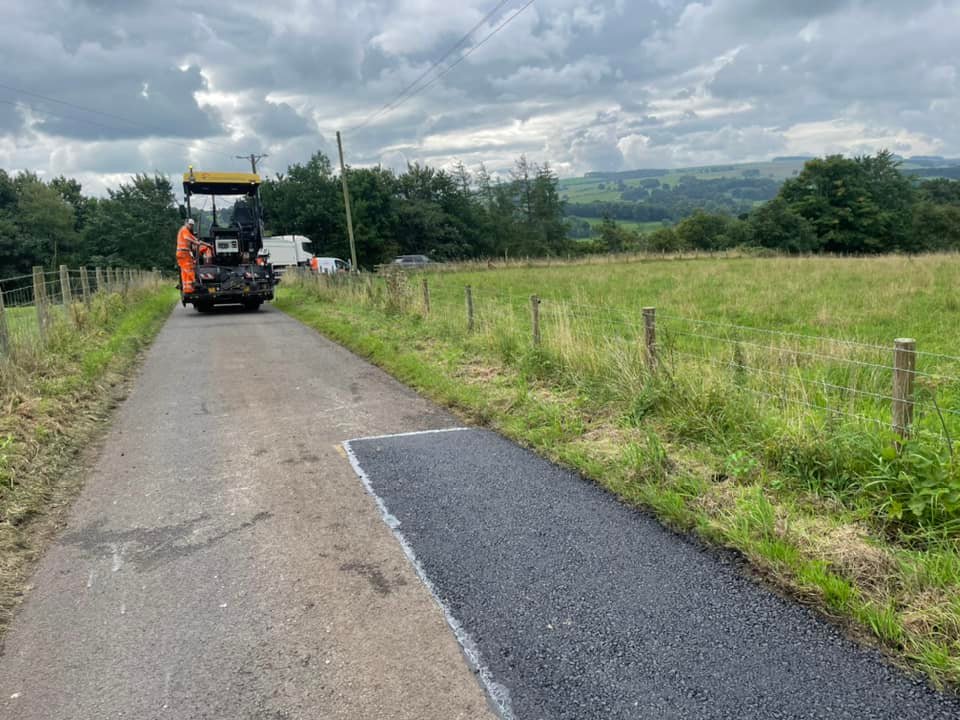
pixel 98 278
pixel 66 294
pixel 85 285
pixel 108 279
pixel 650 337
pixel 535 315
pixel 469 293
pixel 904 367
pixel 4 330
pixel 426 297
pixel 40 300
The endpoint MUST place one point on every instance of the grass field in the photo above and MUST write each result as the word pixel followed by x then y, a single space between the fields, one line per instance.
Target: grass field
pixel 641 227
pixel 54 397
pixel 765 427
pixel 603 187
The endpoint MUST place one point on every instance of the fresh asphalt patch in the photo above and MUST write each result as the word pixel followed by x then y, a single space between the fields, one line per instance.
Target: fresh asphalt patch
pixel 572 605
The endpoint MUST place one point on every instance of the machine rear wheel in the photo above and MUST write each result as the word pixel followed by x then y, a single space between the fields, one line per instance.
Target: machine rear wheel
pixel 252 305
pixel 203 307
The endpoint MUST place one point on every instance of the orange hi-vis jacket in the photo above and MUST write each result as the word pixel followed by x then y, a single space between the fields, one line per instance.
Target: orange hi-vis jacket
pixel 185 240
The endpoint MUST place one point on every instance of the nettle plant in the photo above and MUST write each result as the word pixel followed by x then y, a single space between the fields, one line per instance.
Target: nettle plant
pixel 917 486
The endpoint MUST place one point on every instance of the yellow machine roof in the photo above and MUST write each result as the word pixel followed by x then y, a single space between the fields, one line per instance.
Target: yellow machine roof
pixel 220 183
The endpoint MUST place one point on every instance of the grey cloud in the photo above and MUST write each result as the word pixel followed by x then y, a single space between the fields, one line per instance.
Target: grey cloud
pixel 160 103
pixel 280 121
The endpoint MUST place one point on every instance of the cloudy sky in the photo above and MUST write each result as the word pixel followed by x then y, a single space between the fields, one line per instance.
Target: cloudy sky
pixel 583 84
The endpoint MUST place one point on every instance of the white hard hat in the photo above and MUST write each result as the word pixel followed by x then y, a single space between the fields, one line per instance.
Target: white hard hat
pixel 263 251
pixel 190 222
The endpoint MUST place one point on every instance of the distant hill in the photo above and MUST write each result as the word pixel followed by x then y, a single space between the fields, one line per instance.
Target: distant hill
pixel 651 196
pixel 609 186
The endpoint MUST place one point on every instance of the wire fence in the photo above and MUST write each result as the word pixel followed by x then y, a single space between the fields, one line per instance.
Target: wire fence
pixel 33 306
pixel 897 389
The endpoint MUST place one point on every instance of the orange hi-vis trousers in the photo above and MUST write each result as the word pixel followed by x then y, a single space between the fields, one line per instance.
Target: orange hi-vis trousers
pixel 188 270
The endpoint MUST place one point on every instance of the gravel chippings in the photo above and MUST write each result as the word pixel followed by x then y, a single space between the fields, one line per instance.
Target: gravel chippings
pixel 584 608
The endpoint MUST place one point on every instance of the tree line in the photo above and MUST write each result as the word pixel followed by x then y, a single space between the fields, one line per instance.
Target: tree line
pixel 835 204
pixel 49 223
pixel 850 206
pixel 445 215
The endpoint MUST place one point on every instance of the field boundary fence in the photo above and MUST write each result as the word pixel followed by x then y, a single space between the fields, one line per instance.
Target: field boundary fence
pixel 33 305
pixel 896 388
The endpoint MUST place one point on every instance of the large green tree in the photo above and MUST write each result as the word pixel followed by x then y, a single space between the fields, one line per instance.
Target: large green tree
pixel 855 205
pixel 135 225
pixel 44 221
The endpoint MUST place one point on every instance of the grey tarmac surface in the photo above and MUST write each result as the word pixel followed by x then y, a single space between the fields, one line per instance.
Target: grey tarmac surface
pixel 224 562
pixel 584 608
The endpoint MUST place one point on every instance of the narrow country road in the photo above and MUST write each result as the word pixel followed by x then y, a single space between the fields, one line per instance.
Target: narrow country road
pixel 223 560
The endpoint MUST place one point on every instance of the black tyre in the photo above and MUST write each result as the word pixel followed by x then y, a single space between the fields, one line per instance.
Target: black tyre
pixel 252 305
pixel 203 307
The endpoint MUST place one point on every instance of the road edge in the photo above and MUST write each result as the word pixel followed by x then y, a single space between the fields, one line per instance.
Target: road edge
pixel 71 471
pixel 498 696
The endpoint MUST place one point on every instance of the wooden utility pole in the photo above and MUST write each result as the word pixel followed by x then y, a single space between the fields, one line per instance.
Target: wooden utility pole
pixel 346 202
pixel 254 159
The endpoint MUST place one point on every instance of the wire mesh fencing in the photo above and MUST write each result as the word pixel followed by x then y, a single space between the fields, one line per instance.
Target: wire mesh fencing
pixel 895 389
pixel 34 306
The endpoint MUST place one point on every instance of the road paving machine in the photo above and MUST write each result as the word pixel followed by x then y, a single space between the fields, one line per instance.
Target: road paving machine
pixel 236 270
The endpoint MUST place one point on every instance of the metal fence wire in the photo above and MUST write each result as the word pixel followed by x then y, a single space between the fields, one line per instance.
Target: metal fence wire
pixel 33 305
pixel 895 388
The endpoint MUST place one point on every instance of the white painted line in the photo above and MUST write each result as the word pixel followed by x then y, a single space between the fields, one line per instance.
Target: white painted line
pixel 499 695
pixel 406 434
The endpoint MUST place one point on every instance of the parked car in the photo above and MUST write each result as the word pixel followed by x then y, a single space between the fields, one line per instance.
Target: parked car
pixel 413 261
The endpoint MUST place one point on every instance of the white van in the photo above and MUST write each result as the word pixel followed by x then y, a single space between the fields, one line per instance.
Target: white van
pixel 330 266
pixel 288 251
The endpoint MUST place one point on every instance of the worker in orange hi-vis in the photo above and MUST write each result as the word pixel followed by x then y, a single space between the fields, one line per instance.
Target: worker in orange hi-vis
pixel 186 243
pixel 315 264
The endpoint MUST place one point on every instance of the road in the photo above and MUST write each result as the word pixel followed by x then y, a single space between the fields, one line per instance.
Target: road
pixel 224 562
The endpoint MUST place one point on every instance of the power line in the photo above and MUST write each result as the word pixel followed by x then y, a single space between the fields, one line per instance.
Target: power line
pixel 135 123
pixel 478 45
pixel 433 67
pixel 400 101
pixel 18 103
